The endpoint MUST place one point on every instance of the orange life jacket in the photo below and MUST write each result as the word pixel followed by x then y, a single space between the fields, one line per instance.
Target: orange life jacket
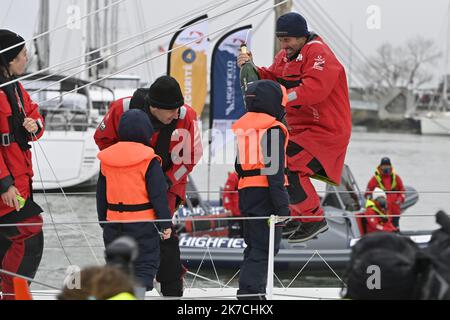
pixel 250 130
pixel 124 166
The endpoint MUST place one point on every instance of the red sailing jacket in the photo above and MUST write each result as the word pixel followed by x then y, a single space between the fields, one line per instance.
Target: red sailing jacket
pixel 106 135
pixel 15 164
pixel 319 115
pixel 394 200
pixel 375 224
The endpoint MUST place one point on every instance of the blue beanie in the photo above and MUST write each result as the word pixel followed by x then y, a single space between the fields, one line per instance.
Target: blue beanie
pixel 292 24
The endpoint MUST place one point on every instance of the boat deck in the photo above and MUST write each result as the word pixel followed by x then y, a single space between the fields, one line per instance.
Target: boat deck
pixel 228 294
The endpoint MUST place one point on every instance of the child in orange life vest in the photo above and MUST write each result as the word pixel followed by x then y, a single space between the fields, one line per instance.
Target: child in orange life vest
pixel 261 162
pixel 132 188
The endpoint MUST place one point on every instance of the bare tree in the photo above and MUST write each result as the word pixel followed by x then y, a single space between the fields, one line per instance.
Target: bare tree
pixel 402 66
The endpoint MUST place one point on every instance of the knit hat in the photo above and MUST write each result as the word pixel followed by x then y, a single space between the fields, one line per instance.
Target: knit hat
pixel 265 96
pixel 292 24
pixel 135 126
pixel 385 161
pixel 165 93
pixel 8 39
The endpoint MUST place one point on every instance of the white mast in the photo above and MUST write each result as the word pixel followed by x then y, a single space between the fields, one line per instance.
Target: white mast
pixel 42 44
pixel 446 71
pixel 85 42
pixel 114 30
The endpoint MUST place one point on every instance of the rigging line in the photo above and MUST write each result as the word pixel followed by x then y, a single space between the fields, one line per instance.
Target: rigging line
pixel 319 191
pixel 337 38
pixel 7 12
pixel 52 36
pixel 234 276
pixel 279 280
pixel 111 45
pixel 209 218
pixel 332 270
pixel 60 27
pixel 33 135
pixel 361 60
pixel 367 60
pixel 133 47
pixel 155 57
pixel 214 266
pixel 142 26
pixel 235 22
pixel 337 43
pixel 46 200
pixel 206 279
pixel 338 46
pixel 50 212
pixel 301 270
pixel 12 274
pixel 198 270
pixel 65 197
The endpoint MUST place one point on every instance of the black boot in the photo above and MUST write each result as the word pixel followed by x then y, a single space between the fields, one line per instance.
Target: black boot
pixel 308 230
pixel 172 289
pixel 290 227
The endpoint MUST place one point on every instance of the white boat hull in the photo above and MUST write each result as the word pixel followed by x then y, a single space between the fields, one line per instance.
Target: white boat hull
pixel 435 124
pixel 65 159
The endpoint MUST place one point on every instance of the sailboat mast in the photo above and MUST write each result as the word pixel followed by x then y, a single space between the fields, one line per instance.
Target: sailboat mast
pixel 105 30
pixel 85 41
pixel 446 71
pixel 42 44
pixel 114 33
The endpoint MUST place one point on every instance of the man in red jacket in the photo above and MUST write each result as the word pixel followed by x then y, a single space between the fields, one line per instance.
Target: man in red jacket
pixel 177 141
pixel 318 115
pixel 390 182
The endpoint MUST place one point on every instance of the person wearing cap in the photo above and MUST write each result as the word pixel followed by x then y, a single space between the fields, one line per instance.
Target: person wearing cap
pixel 177 142
pixel 261 161
pixel 318 116
pixel 389 181
pixel 131 190
pixel 377 217
pixel 20 123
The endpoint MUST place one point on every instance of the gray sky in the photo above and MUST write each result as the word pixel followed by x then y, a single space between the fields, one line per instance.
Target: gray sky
pixel 399 20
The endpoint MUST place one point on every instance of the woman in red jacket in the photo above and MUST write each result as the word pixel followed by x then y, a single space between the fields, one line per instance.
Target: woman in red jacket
pixel 20 122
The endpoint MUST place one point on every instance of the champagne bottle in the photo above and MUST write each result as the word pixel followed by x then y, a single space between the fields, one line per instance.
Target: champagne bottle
pixel 249 72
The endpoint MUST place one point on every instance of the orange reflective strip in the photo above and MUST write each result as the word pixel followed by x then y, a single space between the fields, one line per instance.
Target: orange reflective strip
pixel 257 181
pixel 146 215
